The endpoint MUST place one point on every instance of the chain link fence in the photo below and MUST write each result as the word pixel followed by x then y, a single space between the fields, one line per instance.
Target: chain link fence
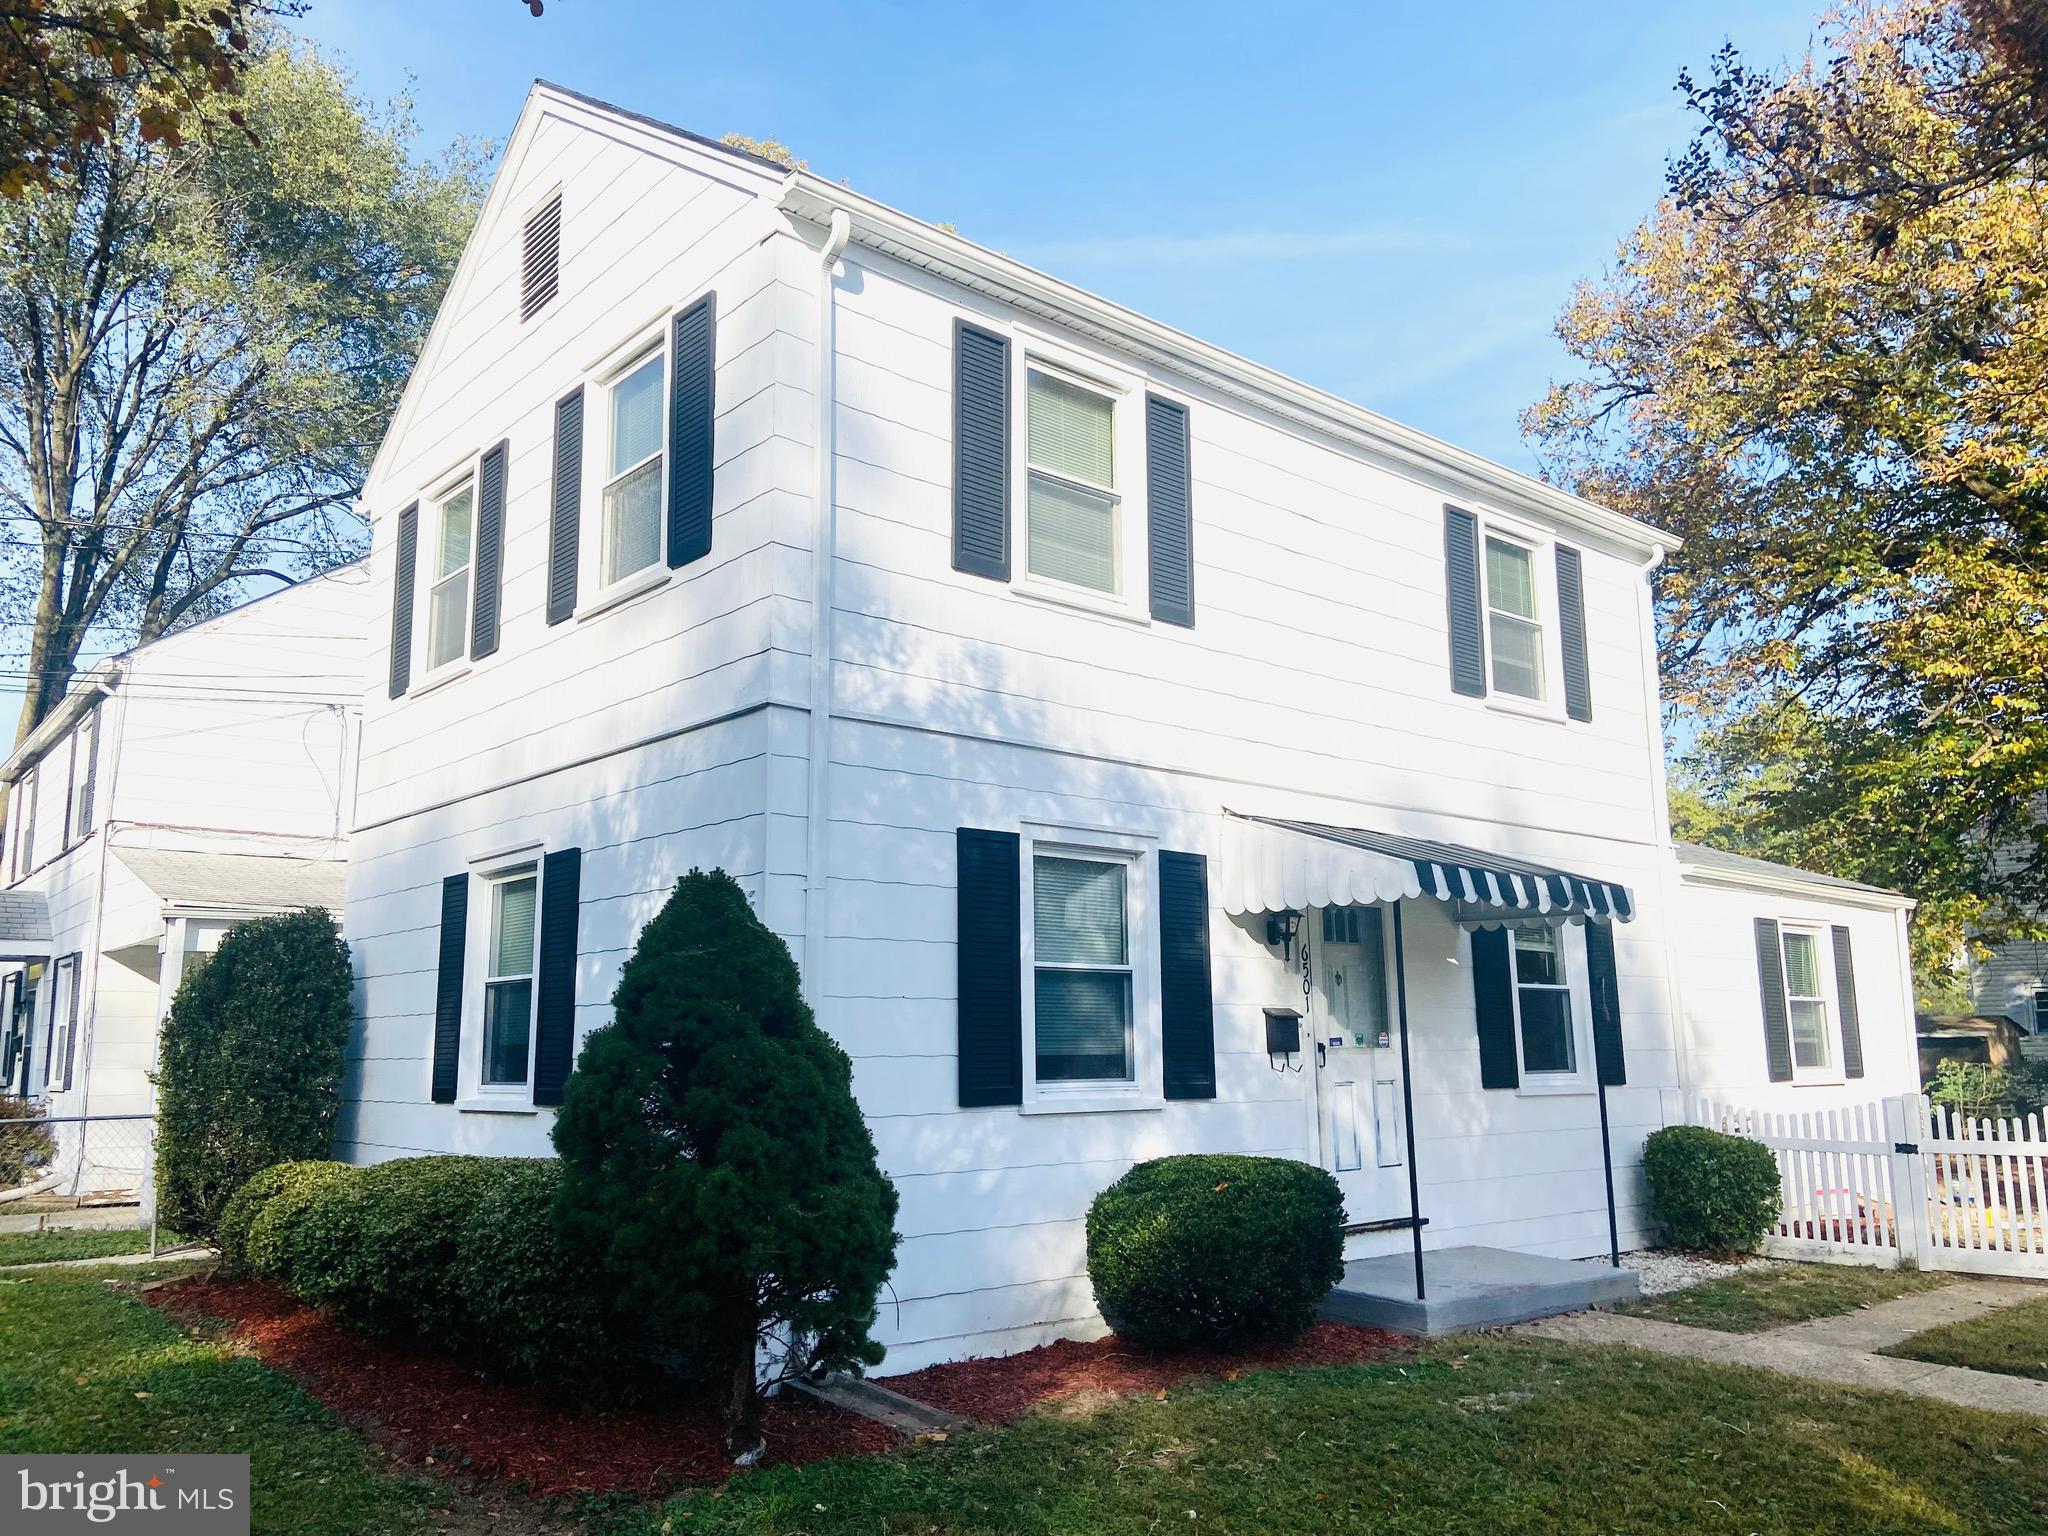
pixel 59 1167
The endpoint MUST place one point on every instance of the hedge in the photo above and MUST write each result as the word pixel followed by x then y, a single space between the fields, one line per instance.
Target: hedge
pixel 260 1215
pixel 1711 1192
pixel 1215 1251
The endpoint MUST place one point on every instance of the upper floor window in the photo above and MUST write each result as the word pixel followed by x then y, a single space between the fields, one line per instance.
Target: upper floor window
pixel 448 600
pixel 631 534
pixel 508 981
pixel 1543 1003
pixel 1514 634
pixel 85 741
pixel 1071 511
pixel 21 817
pixel 1806 1003
pixel 2041 1012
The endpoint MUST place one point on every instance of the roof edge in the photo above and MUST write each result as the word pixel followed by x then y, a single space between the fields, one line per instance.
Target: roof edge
pixel 1787 878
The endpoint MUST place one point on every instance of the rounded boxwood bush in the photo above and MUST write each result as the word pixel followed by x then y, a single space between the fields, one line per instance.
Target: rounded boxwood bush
pixel 1711 1192
pixel 258 1220
pixel 379 1247
pixel 1191 1251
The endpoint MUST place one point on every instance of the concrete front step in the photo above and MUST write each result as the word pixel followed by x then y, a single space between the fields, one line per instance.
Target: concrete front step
pixel 1468 1288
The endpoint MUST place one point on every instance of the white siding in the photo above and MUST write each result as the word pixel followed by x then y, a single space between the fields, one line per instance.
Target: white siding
pixel 2005 983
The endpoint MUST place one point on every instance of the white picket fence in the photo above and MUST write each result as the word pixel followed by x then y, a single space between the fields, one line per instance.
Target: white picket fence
pixel 1903 1179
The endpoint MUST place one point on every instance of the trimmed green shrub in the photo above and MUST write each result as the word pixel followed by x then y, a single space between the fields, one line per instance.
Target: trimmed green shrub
pixel 379 1247
pixel 252 1063
pixel 1711 1192
pixel 1215 1251
pixel 716 1169
pixel 25 1144
pixel 259 1215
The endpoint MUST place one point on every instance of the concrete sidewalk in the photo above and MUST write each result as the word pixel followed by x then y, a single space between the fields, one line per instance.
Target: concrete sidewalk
pixel 1838 1349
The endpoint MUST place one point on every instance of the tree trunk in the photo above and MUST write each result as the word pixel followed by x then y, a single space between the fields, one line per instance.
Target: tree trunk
pixel 742 1405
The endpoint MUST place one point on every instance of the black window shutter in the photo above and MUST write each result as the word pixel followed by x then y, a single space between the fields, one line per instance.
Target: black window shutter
pixel 1770 976
pixel 1605 987
pixel 692 400
pixel 401 599
pixel 1845 994
pixel 1571 631
pixel 566 515
pixel 981 453
pixel 1169 512
pixel 991 948
pixel 71 1024
pixel 1461 584
pixel 490 551
pixel 554 1029
pixel 448 994
pixel 1493 1002
pixel 1187 1015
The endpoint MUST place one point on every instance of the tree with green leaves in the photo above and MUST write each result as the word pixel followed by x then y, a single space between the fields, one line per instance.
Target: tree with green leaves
pixel 1819 362
pixel 201 340
pixel 716 1166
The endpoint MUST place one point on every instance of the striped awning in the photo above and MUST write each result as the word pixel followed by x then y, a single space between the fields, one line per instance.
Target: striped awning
pixel 1274 865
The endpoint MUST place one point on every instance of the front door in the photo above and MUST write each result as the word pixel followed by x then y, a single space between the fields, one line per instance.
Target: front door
pixel 1357 1062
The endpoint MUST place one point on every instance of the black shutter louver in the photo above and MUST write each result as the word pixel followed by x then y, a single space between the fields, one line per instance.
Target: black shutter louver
pixel 490 551
pixel 981 453
pixel 1571 632
pixel 1493 1003
pixel 566 512
pixel 1461 585
pixel 1770 975
pixel 406 557
pixel 1169 512
pixel 1602 982
pixel 540 271
pixel 1187 1015
pixel 1845 995
pixel 448 992
pixel 554 1029
pixel 991 945
pixel 692 412
pixel 71 1024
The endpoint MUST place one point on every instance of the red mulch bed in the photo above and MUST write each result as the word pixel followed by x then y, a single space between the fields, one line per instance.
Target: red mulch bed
pixel 422 1405
pixel 997 1391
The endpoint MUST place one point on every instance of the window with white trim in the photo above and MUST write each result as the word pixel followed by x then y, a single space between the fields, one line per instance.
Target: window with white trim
pixel 1514 632
pixel 1082 1003
pixel 1806 1002
pixel 1545 1030
pixel 507 1060
pixel 454 537
pixel 85 741
pixel 629 534
pixel 2041 1012
pixel 22 819
pixel 1072 513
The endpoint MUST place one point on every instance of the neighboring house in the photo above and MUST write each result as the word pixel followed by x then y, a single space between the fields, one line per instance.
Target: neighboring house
pixel 186 783
pixel 2012 982
pixel 1155 735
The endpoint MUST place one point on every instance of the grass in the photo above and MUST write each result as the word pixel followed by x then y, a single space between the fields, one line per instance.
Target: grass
pixel 1496 1439
pixel 2012 1342
pixel 53 1243
pixel 1768 1296
pixel 85 1368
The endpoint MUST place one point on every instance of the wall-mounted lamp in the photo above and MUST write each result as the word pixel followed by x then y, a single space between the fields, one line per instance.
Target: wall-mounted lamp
pixel 1281 927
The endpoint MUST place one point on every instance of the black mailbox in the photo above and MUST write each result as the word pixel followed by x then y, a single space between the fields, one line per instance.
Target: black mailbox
pixel 1283 1032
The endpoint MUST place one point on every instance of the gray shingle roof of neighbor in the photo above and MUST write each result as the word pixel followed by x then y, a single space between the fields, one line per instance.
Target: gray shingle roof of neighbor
pixel 192 878
pixel 1739 864
pixel 24 917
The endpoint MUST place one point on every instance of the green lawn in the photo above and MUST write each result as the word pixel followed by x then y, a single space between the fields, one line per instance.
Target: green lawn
pixel 73 1243
pixel 84 1368
pixel 1500 1438
pixel 1773 1296
pixel 2012 1342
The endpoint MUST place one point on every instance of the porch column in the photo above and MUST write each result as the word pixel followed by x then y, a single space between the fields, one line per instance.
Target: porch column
pixel 1408 1101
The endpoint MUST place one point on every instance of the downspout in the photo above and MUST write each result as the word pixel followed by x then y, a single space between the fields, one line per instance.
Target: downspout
pixel 824 562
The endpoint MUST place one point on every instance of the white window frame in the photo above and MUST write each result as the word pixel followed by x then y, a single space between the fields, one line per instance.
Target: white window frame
pixel 1542 547
pixel 1571 942
pixel 1832 1073
pixel 1138 853
pixel 426 556
pixel 1035 351
pixel 594 594
pixel 21 814
pixel 87 730
pixel 485 876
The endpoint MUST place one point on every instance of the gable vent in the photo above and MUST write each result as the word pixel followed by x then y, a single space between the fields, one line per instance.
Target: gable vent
pixel 541 277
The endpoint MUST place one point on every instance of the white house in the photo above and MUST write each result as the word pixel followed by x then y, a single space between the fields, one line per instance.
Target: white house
pixel 198 779
pixel 1128 740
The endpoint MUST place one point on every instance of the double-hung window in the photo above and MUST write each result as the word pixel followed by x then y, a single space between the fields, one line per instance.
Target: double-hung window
pixel 1514 632
pixel 1806 1003
pixel 1543 1005
pixel 630 538
pixel 1082 1002
pixel 2041 1012
pixel 454 535
pixel 85 741
pixel 508 981
pixel 1071 518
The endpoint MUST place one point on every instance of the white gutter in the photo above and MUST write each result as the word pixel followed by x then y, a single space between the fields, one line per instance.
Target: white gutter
pixel 88 690
pixel 824 564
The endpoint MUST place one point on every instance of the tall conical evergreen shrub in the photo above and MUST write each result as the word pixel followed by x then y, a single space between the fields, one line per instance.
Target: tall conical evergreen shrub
pixel 715 1162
